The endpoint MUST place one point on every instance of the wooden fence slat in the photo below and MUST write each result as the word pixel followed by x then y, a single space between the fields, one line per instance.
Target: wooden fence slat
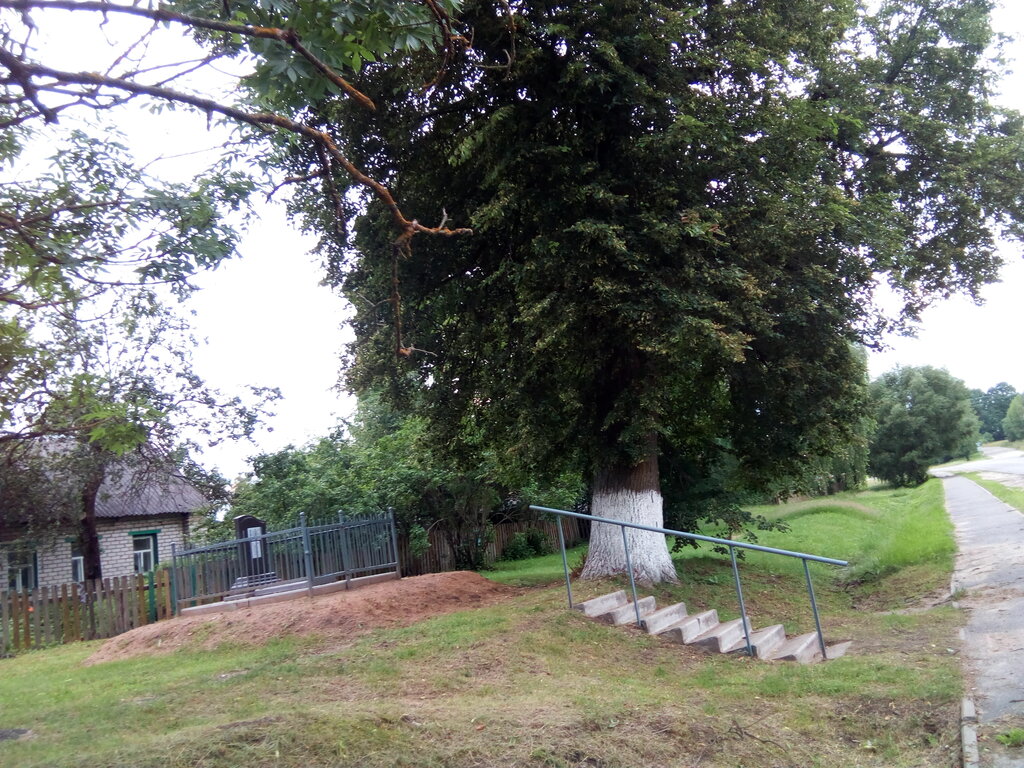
pixel 142 604
pixel 120 588
pixel 77 631
pixel 65 614
pixel 26 612
pixel 45 619
pixel 3 624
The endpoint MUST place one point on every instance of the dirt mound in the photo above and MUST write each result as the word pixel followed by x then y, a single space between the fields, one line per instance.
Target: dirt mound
pixel 339 615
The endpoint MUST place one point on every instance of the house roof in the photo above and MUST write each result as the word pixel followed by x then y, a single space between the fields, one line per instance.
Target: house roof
pixel 129 496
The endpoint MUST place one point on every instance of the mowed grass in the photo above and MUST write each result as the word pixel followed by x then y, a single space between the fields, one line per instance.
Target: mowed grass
pixel 528 683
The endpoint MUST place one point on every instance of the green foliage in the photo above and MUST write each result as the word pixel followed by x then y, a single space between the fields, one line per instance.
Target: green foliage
pixel 680 213
pixel 991 407
pixel 532 542
pixel 518 548
pixel 924 417
pixel 384 459
pixel 1013 422
pixel 1013 738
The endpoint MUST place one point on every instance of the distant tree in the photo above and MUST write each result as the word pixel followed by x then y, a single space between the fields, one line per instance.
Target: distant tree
pixel 1013 422
pixel 924 417
pixel 991 407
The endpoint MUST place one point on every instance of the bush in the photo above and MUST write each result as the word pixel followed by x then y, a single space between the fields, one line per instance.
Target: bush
pixel 539 541
pixel 518 548
pixel 529 543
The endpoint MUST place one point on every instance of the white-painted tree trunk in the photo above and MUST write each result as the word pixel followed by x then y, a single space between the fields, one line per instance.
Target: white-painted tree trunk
pixel 629 494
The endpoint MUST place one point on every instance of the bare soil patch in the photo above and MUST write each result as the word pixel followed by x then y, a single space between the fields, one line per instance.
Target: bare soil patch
pixel 337 616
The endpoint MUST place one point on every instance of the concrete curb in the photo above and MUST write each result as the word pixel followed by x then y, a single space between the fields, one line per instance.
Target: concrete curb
pixel 969 733
pixel 280 597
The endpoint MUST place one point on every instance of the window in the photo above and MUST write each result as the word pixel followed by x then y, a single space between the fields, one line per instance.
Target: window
pixel 77 564
pixel 144 545
pixel 22 571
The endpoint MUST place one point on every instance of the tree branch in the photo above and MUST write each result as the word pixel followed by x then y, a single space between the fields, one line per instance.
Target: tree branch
pixel 286 36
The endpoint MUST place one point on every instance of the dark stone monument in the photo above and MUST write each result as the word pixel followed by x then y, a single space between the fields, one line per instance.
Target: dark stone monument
pixel 254 557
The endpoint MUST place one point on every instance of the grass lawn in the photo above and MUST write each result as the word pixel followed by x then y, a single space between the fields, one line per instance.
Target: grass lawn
pixel 527 683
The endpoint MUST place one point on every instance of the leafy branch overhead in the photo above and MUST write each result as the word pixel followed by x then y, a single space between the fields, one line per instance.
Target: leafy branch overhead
pixel 278 44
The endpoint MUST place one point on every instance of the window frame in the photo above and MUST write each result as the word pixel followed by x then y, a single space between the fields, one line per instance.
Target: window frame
pixel 152 550
pixel 16 562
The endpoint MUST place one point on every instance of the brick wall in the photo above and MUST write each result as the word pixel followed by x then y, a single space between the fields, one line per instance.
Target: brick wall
pixel 117 550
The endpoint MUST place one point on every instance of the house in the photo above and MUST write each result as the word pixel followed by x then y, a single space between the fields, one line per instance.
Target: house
pixel 137 521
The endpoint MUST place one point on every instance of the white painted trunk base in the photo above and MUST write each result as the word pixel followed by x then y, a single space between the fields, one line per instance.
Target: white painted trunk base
pixel 647 550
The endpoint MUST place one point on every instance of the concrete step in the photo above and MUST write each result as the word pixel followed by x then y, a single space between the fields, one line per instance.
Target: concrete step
pixel 723 638
pixel 802 648
pixel 763 641
pixel 692 626
pixel 661 620
pixel 626 614
pixel 598 605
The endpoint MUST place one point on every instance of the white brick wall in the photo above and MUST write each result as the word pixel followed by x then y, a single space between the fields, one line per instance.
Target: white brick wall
pixel 117 549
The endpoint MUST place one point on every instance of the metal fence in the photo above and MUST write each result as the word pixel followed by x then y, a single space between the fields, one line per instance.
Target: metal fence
pixel 281 560
pixel 732 545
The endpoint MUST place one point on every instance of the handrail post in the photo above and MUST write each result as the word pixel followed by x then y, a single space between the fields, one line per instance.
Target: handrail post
pixel 814 608
pixel 743 607
pixel 632 580
pixel 565 562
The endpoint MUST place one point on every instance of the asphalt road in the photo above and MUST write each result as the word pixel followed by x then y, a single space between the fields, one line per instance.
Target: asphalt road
pixel 990 571
pixel 1005 460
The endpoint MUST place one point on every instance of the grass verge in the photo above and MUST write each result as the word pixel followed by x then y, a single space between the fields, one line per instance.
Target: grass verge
pixel 527 683
pixel 1012 496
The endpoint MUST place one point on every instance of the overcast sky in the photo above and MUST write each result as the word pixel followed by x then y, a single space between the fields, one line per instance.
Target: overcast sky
pixel 269 322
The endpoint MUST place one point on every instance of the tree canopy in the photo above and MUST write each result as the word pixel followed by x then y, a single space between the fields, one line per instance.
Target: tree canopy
pixel 924 417
pixel 1013 423
pixel 681 211
pixel 991 407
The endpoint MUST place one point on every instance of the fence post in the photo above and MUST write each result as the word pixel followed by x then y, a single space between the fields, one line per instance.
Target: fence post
pixel 151 593
pixel 394 542
pixel 346 557
pixel 174 579
pixel 307 554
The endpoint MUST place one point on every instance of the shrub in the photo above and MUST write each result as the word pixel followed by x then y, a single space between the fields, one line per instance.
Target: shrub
pixel 518 548
pixel 539 541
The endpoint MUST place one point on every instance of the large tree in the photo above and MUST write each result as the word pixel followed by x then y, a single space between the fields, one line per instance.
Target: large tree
pixel 924 417
pixel 681 212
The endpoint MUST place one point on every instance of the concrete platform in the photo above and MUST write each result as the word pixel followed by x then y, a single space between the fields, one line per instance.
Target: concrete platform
pixel 280 597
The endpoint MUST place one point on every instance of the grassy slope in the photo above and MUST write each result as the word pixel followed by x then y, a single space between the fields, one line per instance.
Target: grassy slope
pixel 528 683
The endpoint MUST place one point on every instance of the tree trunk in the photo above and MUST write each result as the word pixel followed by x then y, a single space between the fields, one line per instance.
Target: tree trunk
pixel 88 538
pixel 630 494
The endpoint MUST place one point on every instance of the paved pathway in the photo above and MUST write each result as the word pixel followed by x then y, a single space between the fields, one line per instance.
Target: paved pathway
pixel 990 567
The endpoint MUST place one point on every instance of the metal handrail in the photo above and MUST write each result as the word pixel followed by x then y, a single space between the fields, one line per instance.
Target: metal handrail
pixel 732 545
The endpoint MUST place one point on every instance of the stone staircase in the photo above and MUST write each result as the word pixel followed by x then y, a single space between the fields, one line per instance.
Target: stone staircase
pixel 705 631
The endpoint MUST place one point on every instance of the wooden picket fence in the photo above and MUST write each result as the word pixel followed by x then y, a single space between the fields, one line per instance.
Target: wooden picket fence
pixel 91 610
